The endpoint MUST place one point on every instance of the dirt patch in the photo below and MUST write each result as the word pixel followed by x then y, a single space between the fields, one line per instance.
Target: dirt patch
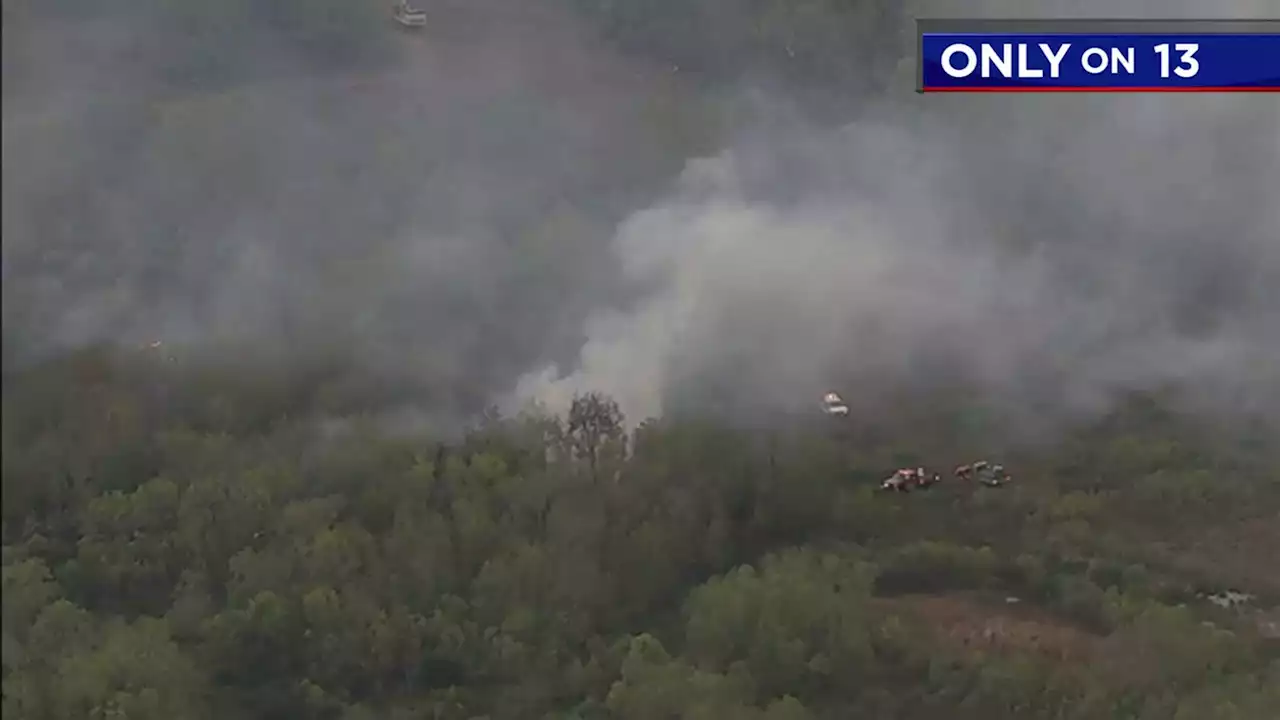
pixel 995 625
pixel 1239 556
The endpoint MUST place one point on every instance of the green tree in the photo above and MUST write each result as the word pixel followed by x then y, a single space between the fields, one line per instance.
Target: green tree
pixel 799 624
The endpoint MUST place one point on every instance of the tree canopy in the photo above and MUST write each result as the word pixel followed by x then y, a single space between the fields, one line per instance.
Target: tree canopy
pixel 206 531
pixel 212 553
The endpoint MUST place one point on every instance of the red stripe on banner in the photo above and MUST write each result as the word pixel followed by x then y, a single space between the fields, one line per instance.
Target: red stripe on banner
pixel 1083 89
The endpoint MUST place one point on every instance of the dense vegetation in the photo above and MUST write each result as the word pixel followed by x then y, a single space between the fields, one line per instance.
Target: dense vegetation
pixel 181 543
pixel 206 532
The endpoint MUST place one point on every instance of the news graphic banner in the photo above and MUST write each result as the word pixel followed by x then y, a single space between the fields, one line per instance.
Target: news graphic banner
pixel 1099 55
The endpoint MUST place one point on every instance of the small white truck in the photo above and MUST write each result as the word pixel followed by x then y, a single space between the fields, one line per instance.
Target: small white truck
pixel 834 405
pixel 408 16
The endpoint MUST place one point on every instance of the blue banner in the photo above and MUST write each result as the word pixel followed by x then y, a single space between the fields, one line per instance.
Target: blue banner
pixel 1132 62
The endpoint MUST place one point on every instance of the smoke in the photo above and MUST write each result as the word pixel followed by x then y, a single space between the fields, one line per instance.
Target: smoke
pixel 1052 254
pixel 428 206
pixel 485 210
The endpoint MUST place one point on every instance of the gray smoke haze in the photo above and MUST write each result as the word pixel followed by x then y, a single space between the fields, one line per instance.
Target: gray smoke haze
pixel 1054 253
pixel 435 208
pixel 1065 257
pixel 468 214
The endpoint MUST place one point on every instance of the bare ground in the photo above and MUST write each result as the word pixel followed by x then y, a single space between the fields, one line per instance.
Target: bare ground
pixel 980 623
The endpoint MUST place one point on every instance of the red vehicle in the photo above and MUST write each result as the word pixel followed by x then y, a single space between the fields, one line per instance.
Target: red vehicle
pixel 908 479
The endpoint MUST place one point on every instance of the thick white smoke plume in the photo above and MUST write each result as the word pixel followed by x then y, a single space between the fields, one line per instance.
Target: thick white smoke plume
pixel 218 176
pixel 1050 252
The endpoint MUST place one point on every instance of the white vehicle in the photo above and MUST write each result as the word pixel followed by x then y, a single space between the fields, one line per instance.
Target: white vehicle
pixel 985 473
pixel 408 16
pixel 832 404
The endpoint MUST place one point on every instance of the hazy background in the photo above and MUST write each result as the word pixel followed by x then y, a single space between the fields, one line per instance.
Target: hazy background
pixel 669 204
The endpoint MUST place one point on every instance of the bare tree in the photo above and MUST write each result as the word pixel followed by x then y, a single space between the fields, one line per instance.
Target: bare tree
pixel 595 422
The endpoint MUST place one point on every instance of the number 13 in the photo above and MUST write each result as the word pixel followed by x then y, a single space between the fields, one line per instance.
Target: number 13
pixel 1188 66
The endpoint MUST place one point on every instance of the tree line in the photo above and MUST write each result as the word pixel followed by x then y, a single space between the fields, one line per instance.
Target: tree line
pixel 180 544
